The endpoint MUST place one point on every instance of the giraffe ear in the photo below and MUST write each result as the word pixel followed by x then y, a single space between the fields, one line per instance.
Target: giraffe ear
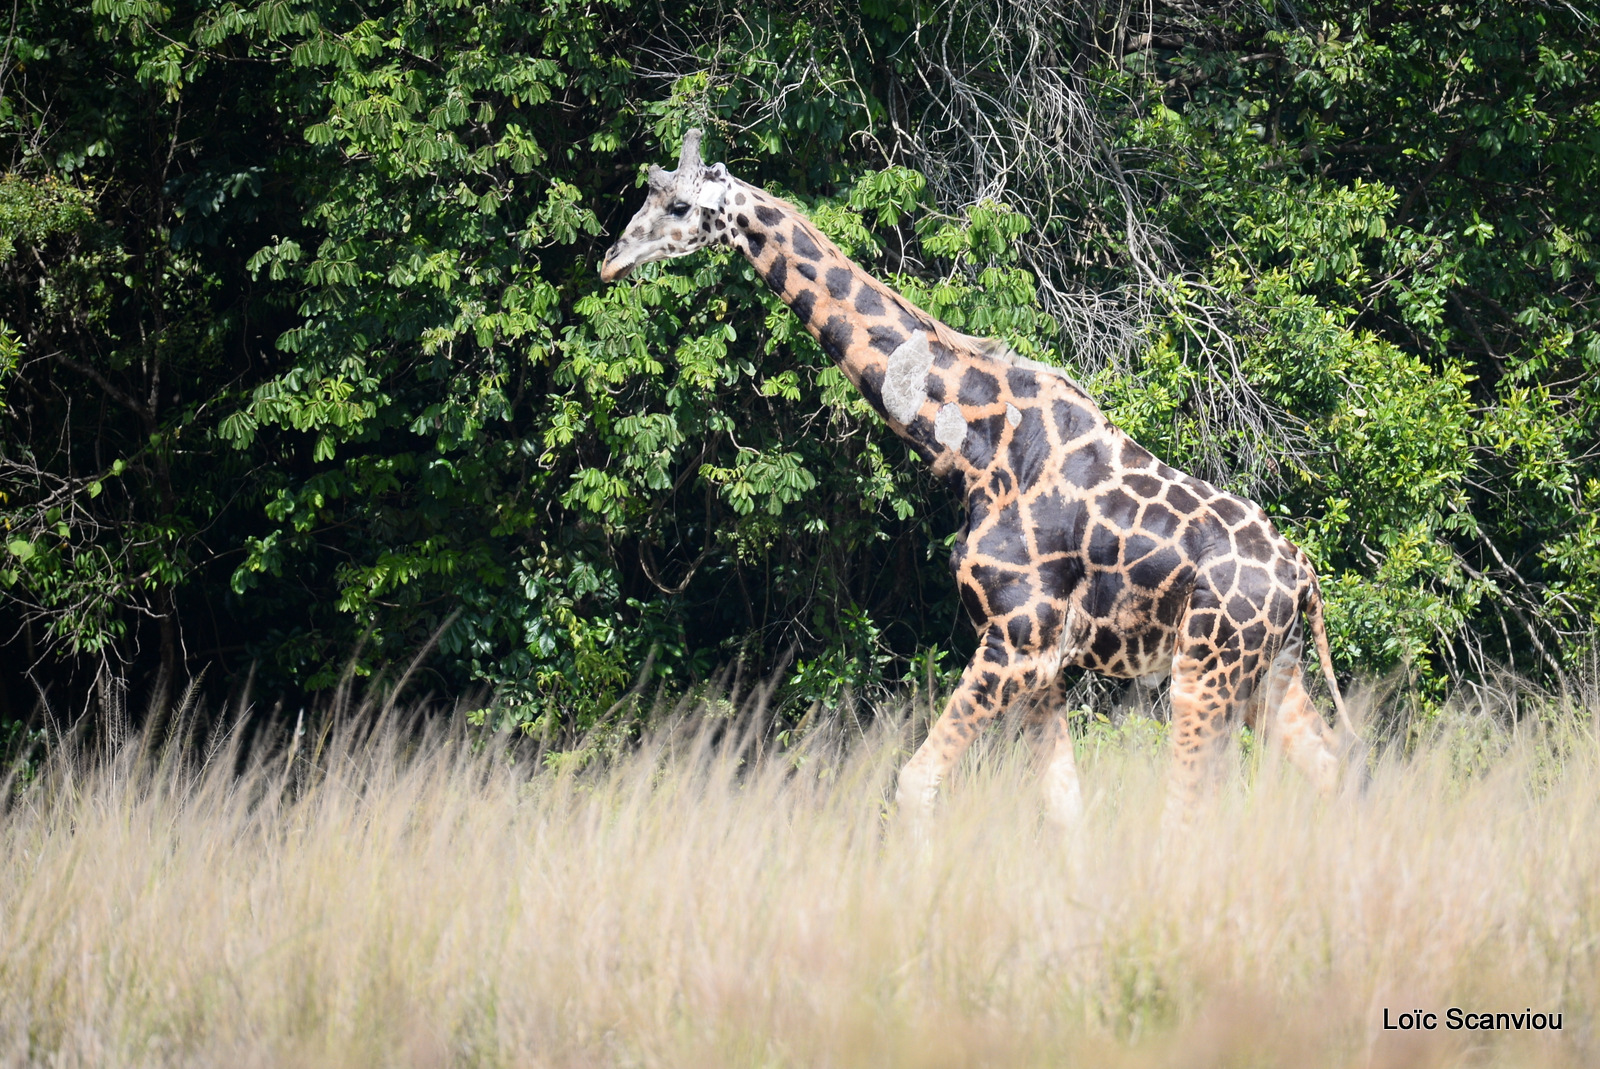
pixel 659 179
pixel 689 158
pixel 713 187
pixel 711 193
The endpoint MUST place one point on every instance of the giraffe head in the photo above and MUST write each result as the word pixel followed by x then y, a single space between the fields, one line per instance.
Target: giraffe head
pixel 680 214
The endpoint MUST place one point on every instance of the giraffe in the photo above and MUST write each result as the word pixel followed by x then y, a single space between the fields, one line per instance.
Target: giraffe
pixel 1080 548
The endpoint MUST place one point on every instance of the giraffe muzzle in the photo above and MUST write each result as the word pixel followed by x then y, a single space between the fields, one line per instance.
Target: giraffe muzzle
pixel 610 269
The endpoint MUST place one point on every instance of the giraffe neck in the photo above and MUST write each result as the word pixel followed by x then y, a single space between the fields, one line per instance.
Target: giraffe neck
pixel 881 342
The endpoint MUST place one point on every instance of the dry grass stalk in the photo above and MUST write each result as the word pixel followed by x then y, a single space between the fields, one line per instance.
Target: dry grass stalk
pixel 403 902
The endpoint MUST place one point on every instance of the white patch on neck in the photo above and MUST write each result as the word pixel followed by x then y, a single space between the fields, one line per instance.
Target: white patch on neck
pixel 1013 414
pixel 950 429
pixel 905 384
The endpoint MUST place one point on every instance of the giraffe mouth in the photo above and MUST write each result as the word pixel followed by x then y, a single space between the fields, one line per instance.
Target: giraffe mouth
pixel 612 268
pixel 616 264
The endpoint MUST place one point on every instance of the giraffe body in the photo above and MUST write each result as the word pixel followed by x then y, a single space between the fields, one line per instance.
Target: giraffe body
pixel 1081 549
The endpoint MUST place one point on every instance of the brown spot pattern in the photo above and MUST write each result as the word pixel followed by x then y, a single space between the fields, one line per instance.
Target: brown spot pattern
pixel 1081 549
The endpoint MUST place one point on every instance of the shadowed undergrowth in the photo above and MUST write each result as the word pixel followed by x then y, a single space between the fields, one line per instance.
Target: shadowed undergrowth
pixel 416 897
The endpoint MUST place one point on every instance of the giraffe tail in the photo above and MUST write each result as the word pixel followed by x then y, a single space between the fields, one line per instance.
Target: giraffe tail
pixel 1311 603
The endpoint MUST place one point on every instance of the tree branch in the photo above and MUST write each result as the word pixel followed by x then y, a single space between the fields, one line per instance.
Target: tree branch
pixel 108 386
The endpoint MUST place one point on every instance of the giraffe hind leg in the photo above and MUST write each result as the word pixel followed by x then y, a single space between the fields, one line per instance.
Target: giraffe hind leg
pixel 1201 703
pixel 1296 727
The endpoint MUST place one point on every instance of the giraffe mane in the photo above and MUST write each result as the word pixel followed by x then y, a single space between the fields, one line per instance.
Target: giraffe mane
pixel 997 349
pixel 993 348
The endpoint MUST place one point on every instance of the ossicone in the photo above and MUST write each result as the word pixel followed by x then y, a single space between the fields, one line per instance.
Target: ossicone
pixel 690 156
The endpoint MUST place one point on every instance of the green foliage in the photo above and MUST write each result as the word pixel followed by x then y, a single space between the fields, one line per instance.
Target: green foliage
pixel 32 211
pixel 309 294
pixel 1398 207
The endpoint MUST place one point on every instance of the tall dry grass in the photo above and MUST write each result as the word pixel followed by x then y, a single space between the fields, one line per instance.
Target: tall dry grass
pixel 409 899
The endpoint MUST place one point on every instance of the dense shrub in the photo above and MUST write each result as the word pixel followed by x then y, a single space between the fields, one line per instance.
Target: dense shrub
pixel 304 350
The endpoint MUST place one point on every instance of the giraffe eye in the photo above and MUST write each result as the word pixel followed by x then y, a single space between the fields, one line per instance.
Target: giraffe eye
pixel 679 209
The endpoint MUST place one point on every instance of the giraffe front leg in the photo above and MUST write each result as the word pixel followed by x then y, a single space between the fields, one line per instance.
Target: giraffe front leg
pixel 987 684
pixel 1063 796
